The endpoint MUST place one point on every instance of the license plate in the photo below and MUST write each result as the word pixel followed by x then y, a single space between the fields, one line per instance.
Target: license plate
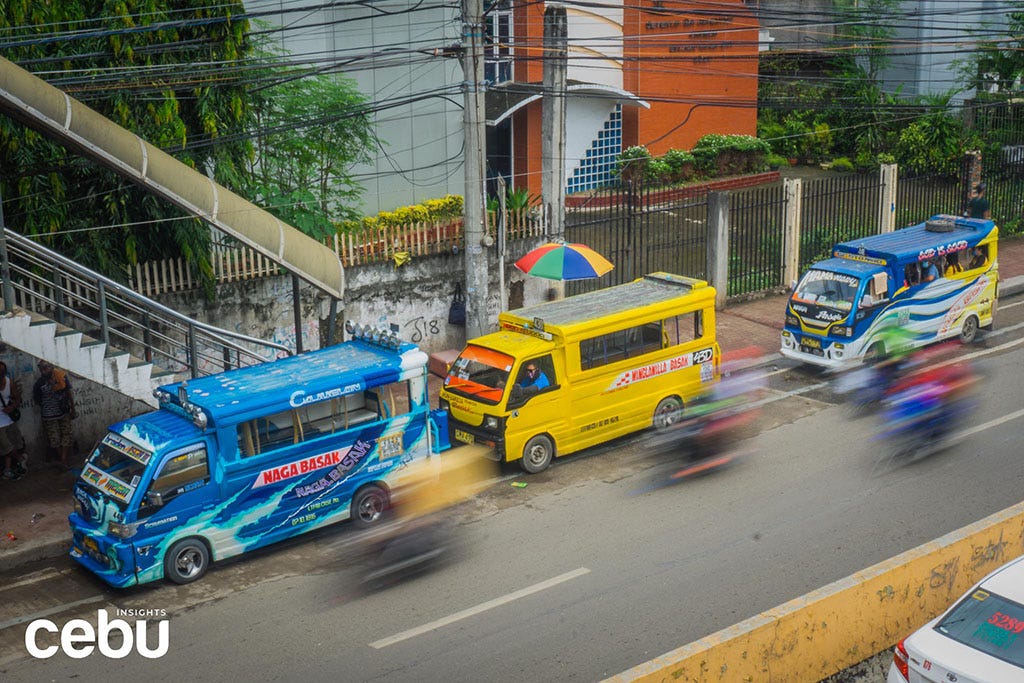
pixel 464 437
pixel 811 343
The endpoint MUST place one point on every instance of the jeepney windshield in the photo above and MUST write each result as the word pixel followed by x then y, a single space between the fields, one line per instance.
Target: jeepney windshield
pixel 828 289
pixel 116 467
pixel 480 373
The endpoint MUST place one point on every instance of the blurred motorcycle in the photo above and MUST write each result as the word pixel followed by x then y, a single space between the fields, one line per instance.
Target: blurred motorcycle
pixel 922 410
pixel 422 528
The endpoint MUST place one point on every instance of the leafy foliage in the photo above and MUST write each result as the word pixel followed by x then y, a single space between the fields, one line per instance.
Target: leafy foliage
pixel 310 130
pixel 124 60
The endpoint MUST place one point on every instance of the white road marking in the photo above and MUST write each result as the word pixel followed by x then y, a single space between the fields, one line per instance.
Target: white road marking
pixel 779 395
pixel 964 433
pixel 1003 308
pixel 1004 330
pixel 53 610
pixel 482 607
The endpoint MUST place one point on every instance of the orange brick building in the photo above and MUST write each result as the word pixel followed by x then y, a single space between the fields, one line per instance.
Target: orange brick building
pixel 658 73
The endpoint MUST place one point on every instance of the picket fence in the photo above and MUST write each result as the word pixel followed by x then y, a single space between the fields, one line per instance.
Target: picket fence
pixel 232 262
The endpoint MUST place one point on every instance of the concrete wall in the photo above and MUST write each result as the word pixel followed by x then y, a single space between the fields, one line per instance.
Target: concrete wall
pixel 97 406
pixel 829 629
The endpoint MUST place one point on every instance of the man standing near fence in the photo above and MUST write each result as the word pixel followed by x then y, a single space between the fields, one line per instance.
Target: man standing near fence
pixel 978 207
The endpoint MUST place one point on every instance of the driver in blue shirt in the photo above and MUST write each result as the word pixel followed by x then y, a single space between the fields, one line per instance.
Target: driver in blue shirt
pixel 928 271
pixel 533 378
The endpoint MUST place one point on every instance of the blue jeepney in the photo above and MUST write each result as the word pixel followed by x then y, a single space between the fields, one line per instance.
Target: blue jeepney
pixel 238 460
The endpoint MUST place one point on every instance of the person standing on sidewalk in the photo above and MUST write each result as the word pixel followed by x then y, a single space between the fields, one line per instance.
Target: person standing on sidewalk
pixel 52 393
pixel 12 445
pixel 979 207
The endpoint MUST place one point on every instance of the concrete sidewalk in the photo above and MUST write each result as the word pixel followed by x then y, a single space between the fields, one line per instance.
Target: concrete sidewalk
pixel 34 509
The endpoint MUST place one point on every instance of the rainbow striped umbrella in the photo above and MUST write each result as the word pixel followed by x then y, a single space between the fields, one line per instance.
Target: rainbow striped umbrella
pixel 563 261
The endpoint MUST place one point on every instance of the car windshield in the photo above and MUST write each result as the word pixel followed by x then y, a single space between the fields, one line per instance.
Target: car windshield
pixel 990 623
pixel 115 467
pixel 480 373
pixel 826 288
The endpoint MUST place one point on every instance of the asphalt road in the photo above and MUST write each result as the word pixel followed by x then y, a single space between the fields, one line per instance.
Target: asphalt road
pixel 595 566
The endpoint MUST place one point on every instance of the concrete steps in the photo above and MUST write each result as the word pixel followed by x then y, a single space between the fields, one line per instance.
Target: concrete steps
pixel 81 354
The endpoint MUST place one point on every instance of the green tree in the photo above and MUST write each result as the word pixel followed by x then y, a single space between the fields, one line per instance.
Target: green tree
pixel 310 129
pixel 164 69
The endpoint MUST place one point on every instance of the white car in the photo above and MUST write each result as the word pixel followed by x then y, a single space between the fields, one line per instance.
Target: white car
pixel 978 640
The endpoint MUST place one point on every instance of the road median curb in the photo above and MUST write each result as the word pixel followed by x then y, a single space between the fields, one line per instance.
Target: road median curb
pixel 827 630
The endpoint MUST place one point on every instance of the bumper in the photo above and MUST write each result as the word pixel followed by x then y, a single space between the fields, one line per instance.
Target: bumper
pixel 822 358
pixel 112 561
pixel 459 433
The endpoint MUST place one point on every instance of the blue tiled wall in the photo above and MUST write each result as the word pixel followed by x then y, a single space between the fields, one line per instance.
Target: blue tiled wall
pixel 595 169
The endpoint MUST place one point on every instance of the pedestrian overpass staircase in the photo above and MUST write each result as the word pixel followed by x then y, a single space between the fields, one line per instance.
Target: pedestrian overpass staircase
pixel 94 327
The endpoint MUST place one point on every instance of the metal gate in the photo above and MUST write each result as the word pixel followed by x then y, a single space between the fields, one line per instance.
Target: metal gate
pixel 641 230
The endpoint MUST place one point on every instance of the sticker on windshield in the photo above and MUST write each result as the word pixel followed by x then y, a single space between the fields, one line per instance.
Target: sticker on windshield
pixel 112 486
pixel 127 447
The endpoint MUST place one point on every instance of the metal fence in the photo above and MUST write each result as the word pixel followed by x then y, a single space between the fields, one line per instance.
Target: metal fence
pixel 836 210
pixel 755 239
pixel 641 230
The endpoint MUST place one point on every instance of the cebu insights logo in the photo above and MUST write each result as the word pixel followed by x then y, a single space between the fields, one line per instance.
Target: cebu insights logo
pixel 78 638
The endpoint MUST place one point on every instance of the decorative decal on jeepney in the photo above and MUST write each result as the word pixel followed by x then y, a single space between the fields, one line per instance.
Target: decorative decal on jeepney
pixel 108 484
pixel 300 398
pixel 859 257
pixel 961 303
pixel 353 456
pixel 340 456
pixel 661 367
pixel 127 447
pixel 932 253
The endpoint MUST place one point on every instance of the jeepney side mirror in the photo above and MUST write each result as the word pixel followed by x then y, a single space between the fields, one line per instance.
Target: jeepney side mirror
pixel 155 499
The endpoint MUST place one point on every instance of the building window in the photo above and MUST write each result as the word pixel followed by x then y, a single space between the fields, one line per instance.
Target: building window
pixel 498 48
pixel 595 169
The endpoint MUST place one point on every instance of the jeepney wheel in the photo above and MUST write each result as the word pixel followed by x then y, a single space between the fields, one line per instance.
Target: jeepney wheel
pixel 186 561
pixel 970 330
pixel 369 505
pixel 668 412
pixel 537 454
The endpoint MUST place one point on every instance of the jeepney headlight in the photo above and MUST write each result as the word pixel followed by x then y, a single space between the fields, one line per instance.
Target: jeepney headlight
pixel 792 320
pixel 443 404
pixel 121 530
pixel 841 331
pixel 490 422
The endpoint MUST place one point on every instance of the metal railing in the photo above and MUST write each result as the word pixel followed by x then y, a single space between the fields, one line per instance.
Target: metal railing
pixel 40 280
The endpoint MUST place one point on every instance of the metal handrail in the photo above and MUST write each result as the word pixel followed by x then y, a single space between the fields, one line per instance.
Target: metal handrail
pixel 94 304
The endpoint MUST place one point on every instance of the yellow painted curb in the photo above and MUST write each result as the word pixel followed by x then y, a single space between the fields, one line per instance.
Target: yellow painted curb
pixel 827 630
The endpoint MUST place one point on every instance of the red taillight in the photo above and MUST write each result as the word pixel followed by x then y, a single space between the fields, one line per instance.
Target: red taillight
pixel 899 658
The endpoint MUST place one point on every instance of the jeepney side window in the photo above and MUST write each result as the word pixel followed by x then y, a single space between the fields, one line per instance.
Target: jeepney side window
pixel 684 327
pixel 645 339
pixel 391 399
pixel 911 275
pixel 266 433
pixel 179 474
pixel 979 257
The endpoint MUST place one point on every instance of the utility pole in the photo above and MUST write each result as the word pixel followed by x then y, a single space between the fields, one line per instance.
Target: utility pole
pixel 553 125
pixel 474 210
